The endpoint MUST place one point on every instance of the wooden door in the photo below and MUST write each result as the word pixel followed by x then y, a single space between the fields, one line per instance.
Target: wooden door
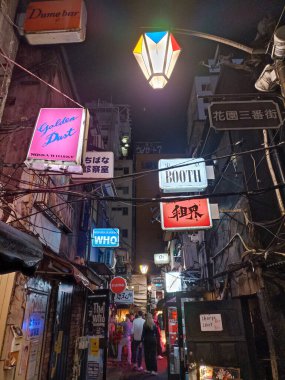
pixel 217 334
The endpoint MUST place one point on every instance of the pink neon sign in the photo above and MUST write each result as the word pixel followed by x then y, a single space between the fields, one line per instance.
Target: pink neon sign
pixel 56 134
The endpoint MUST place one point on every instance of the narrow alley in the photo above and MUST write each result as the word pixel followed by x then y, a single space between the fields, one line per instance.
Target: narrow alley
pixel 122 371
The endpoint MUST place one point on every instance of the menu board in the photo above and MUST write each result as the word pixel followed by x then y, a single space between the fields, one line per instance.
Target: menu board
pixel 97 329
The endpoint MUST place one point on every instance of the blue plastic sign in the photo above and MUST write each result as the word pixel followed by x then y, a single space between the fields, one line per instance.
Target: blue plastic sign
pixel 105 237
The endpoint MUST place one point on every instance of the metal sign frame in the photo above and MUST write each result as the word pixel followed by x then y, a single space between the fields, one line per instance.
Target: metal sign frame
pixel 250 118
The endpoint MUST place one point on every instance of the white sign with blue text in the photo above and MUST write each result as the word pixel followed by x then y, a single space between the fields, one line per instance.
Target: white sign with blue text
pixel 105 237
pixel 126 297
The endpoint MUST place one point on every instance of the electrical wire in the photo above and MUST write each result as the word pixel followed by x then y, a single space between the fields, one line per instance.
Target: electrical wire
pixel 5 14
pixel 277 24
pixel 187 162
pixel 40 79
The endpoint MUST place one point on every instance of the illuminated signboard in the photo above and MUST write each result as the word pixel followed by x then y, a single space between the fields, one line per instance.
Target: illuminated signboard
pixel 96 165
pixel 105 237
pixel 126 297
pixel 161 258
pixel 182 175
pixel 173 282
pixel 190 214
pixel 58 139
pixel 54 22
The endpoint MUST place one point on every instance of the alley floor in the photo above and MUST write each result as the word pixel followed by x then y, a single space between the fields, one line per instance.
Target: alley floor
pixel 122 371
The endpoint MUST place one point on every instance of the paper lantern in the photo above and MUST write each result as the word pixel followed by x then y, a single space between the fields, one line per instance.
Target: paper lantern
pixel 157 53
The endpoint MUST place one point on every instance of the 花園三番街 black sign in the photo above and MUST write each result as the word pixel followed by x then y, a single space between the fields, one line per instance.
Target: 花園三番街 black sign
pixel 251 114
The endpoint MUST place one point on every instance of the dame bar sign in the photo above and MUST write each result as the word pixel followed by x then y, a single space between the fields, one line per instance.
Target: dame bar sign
pixel 252 114
pixel 54 22
pixel 191 214
pixel 182 175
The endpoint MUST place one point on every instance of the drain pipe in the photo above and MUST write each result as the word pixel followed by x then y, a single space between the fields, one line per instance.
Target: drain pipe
pixel 272 173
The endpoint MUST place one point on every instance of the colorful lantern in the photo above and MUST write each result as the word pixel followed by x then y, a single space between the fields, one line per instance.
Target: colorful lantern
pixel 157 53
pixel 143 268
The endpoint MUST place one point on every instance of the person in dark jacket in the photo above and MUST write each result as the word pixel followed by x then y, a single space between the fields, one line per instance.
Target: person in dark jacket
pixel 149 336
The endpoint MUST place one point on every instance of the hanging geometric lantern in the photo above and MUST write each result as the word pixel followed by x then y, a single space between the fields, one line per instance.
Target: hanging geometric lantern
pixel 157 53
pixel 143 268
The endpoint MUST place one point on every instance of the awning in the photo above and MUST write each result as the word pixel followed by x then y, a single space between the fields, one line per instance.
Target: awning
pixel 54 266
pixel 18 251
pixel 100 268
pixel 90 274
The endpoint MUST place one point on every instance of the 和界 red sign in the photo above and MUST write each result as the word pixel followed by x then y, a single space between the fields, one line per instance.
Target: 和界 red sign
pixel 190 214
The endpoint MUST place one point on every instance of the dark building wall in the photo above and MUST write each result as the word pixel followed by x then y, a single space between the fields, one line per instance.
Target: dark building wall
pixel 26 96
pixel 231 240
pixel 76 324
pixel 47 348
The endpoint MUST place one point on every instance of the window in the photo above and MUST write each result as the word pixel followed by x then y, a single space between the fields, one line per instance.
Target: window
pixel 124 210
pixel 206 87
pixel 116 208
pixel 126 170
pixel 125 233
pixel 149 165
pixel 123 189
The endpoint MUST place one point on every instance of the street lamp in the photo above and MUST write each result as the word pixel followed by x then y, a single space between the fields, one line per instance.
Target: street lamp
pixel 157 54
pixel 144 268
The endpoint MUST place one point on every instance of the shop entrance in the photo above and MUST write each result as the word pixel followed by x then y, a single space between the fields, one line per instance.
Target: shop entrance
pixel 58 369
pixel 216 339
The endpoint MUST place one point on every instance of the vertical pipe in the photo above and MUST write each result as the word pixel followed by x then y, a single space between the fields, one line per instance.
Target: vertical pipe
pixel 272 173
pixel 262 299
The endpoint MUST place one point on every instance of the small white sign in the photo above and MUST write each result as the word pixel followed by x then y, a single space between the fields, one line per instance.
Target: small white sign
pixel 173 282
pixel 182 175
pixel 211 322
pixel 126 297
pixel 161 258
pixel 96 165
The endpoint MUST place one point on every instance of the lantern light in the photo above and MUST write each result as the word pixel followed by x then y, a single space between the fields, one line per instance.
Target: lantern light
pixel 156 54
pixel 143 268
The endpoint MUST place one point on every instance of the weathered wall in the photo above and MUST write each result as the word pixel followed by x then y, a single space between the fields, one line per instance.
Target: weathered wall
pixel 26 96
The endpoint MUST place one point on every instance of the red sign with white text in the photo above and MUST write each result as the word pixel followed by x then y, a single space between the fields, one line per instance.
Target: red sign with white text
pixel 191 214
pixel 118 285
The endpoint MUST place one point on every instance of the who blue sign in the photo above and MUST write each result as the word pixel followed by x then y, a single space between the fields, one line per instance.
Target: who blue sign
pixel 105 237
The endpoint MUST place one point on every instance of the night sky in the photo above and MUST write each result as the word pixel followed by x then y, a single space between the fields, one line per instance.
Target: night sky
pixel 104 67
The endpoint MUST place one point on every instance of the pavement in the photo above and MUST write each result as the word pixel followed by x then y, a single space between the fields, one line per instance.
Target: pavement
pixel 122 371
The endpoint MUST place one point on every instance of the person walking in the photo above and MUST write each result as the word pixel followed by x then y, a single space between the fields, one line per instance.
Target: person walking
pixel 137 341
pixel 158 336
pixel 126 339
pixel 149 334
